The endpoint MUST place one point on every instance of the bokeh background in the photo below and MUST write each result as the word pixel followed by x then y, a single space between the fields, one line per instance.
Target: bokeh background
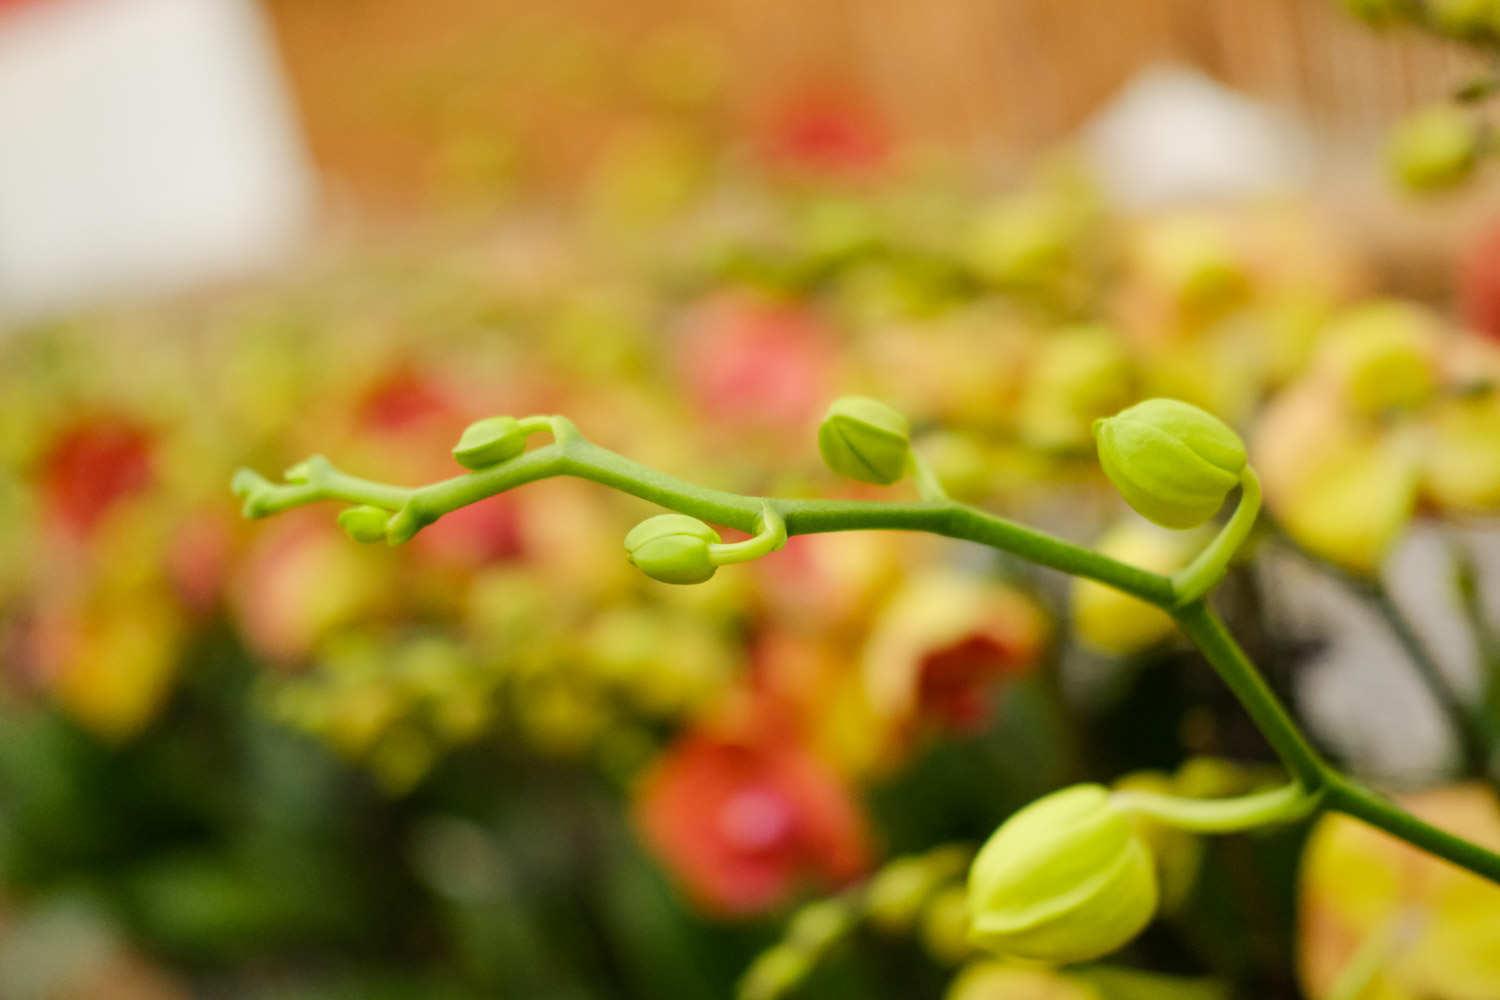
pixel 256 760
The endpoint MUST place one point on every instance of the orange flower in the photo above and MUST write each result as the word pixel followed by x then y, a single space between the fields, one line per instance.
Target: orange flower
pixel 943 643
pixel 742 822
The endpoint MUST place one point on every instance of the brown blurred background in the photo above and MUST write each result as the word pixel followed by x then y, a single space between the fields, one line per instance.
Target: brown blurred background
pixel 556 78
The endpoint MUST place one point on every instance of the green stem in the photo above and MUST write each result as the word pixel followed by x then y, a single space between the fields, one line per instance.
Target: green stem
pixel 770 521
pixel 1306 765
pixel 1479 743
pixel 1208 633
pixel 1475 735
pixel 771 537
pixel 1348 796
pixel 1286 804
pixel 928 485
pixel 1200 576
pixel 574 456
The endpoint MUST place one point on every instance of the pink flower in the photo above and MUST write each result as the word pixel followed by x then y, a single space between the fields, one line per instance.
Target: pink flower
pixel 742 823
pixel 752 361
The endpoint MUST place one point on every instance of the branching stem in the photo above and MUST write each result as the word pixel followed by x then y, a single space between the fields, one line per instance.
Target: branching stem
pixel 1316 784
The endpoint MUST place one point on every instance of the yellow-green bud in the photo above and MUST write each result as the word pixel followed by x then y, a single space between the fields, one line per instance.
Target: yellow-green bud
pixel 1066 879
pixel 489 442
pixel 672 548
pixel 1384 355
pixel 775 973
pixel 945 925
pixel 818 925
pixel 1434 149
pixel 1173 462
pixel 894 896
pixel 865 439
pixel 364 524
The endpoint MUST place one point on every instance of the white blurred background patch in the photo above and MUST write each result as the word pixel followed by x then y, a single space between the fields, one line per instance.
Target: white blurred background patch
pixel 145 145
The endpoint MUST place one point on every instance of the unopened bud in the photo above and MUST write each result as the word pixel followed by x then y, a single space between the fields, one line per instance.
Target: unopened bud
pixel 1173 462
pixel 1066 879
pixel 489 442
pixel 364 524
pixel 672 548
pixel 1434 149
pixel 865 439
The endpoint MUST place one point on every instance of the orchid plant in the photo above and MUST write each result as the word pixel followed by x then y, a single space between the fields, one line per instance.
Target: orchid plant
pixel 1067 878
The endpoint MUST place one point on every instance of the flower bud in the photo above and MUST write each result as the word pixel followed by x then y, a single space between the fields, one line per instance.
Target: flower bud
pixel 1434 149
pixel 1192 259
pixel 865 439
pixel 489 442
pixel 364 524
pixel 775 973
pixel 1066 879
pixel 1383 356
pixel 945 926
pixel 254 489
pixel 1173 462
pixel 672 548
pixel 1080 373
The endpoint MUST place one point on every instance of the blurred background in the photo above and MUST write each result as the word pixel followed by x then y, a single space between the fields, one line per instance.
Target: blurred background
pixel 254 759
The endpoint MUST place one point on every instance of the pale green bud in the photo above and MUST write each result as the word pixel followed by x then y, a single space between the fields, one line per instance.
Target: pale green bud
pixel 945 925
pixel 255 490
pixel 1172 462
pixel 1434 149
pixel 1066 879
pixel 775 973
pixel 672 548
pixel 865 439
pixel 364 524
pixel 1384 355
pixel 489 442
pixel 818 925
pixel 894 896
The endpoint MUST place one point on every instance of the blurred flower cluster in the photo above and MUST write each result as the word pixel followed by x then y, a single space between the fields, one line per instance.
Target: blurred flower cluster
pixel 774 732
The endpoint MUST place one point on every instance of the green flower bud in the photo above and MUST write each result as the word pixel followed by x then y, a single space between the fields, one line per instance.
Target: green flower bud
pixel 255 490
pixel 819 925
pixel 1173 462
pixel 945 926
pixel 1434 149
pixel 865 439
pixel 775 973
pixel 489 442
pixel 894 896
pixel 1066 879
pixel 672 548
pixel 364 524
pixel 1384 355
